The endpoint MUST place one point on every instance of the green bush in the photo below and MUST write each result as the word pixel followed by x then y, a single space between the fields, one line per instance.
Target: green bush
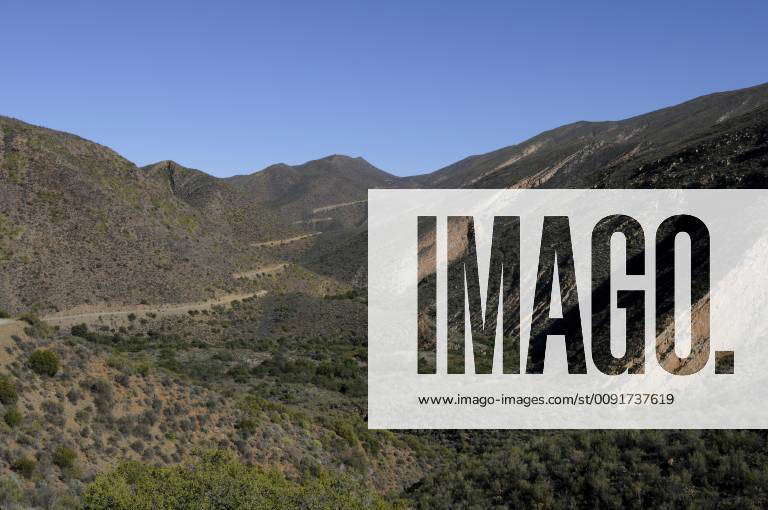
pixel 216 481
pixel 44 362
pixel 80 330
pixel 8 395
pixel 142 368
pixel 64 457
pixel 24 466
pixel 12 417
pixel 4 314
pixel 37 327
pixel 247 426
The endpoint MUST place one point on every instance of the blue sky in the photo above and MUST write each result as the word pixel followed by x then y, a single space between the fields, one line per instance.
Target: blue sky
pixel 231 87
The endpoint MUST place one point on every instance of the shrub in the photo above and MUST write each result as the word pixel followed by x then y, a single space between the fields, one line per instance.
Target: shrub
pixel 142 369
pixel 218 477
pixel 38 328
pixel 8 395
pixel 44 362
pixel 74 396
pixel 80 330
pixel 102 394
pixel 24 466
pixel 30 318
pixel 247 426
pixel 123 380
pixel 64 457
pixel 10 491
pixel 12 417
pixel 4 314
pixel 118 362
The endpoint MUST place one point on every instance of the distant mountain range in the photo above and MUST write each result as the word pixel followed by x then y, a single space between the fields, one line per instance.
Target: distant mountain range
pixel 81 224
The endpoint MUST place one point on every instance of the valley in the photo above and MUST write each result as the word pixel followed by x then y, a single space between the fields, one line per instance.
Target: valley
pixel 222 323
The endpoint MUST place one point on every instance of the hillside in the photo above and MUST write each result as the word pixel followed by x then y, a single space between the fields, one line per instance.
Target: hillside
pixel 69 204
pixel 323 194
pixel 81 225
pixel 716 141
pixel 330 180
pixel 561 156
pixel 194 319
pixel 163 398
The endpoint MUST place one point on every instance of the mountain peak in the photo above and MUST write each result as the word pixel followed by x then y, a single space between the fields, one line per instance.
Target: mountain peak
pixel 165 164
pixel 341 157
pixel 335 159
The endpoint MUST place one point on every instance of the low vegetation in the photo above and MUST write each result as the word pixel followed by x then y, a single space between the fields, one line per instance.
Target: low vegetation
pixel 64 457
pixel 280 380
pixel 217 480
pixel 12 417
pixel 600 469
pixel 8 394
pixel 44 362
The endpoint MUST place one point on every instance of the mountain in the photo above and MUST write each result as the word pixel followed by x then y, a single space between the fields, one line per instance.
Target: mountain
pixel 300 195
pixel 203 313
pixel 563 156
pixel 315 183
pixel 231 210
pixel 716 141
pixel 82 226
pixel 68 204
pixel 310 191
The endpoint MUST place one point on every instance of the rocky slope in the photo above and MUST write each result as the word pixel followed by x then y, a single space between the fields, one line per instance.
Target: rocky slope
pixel 715 141
pixel 560 157
pixel 79 224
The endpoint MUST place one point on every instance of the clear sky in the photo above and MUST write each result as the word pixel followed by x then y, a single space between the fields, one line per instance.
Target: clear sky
pixel 231 87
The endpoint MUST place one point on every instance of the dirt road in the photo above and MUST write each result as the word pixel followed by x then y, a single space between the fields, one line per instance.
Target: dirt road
pixel 271 269
pixel 280 242
pixel 336 206
pixel 313 220
pixel 90 315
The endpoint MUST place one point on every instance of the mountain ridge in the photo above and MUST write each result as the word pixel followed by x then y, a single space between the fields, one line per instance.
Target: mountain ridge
pixel 757 93
pixel 652 130
pixel 196 311
pixel 67 203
